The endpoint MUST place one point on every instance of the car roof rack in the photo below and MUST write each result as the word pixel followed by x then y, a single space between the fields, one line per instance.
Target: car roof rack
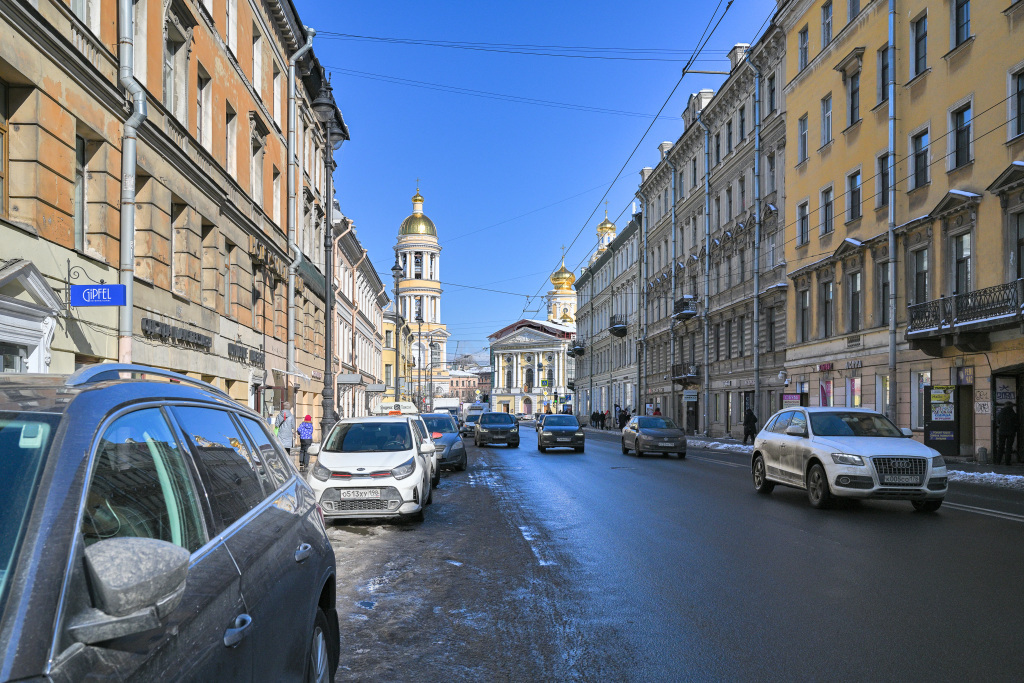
pixel 107 371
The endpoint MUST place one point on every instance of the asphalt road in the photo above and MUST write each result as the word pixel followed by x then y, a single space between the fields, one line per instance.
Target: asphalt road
pixel 604 567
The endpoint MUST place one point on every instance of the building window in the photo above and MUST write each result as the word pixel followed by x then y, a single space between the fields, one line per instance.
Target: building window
pixel 883 180
pixel 769 326
pixel 203 113
pixel 803 317
pixel 693 173
pixel 962 136
pixel 826 120
pixel 728 204
pixel 742 184
pixel 917 397
pixel 743 122
pixel 826 24
pixel 771 93
pixel 827 211
pixel 741 265
pixel 883 74
pixel 230 276
pixel 802 224
pixel 961 21
pixel 728 339
pixel 919 264
pixel 854 9
pixel 854 98
pixel 771 250
pixel 802 139
pixel 231 24
pixel 1018 115
pixel 175 71
pixel 854 282
pixel 853 195
pixel 4 113
pixel 802 48
pixel 771 172
pixel 827 310
pixel 718 211
pixel 853 397
pixel 387 338
pixel 1020 245
pixel 962 263
pixel 883 292
pixel 919 155
pixel 276 199
pixel 919 44
pixel 741 341
pixel 256 181
pixel 257 62
pixel 139 40
pixel 231 140
pixel 718 148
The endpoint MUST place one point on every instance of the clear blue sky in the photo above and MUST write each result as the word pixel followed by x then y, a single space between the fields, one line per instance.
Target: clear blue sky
pixel 507 182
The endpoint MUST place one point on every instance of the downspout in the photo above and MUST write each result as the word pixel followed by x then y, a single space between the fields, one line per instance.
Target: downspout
pixel 891 405
pixel 355 312
pixel 641 367
pixel 293 248
pixel 337 290
pixel 591 342
pixel 707 269
pixel 672 319
pixel 757 243
pixel 129 160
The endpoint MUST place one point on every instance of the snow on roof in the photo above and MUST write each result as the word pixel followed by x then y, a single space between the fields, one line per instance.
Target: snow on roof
pixel 964 193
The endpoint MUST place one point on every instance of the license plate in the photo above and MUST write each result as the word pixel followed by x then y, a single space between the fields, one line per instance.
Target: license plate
pixel 359 493
pixel 665 443
pixel 906 479
pixel 563 439
pixel 498 438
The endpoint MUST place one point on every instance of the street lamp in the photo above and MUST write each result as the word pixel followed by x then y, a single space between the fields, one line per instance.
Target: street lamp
pixel 396 272
pixel 419 367
pixel 325 108
pixel 430 378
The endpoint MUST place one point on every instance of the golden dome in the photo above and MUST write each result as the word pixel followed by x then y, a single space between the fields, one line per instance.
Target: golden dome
pixel 417 223
pixel 417 197
pixel 563 278
pixel 606 225
pixel 566 318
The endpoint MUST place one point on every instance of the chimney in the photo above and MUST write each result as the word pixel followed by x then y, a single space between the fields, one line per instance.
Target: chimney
pixel 664 148
pixel 645 173
pixel 736 54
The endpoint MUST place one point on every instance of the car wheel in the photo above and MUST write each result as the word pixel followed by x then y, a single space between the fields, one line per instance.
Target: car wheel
pixel 818 491
pixel 541 449
pixel 926 505
pixel 430 495
pixel 461 467
pixel 639 453
pixel 681 455
pixel 514 445
pixel 761 483
pixel 318 664
pixel 437 478
pixel 578 449
pixel 625 451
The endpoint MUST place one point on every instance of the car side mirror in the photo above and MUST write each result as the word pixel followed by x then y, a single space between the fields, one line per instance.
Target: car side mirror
pixel 796 430
pixel 314 449
pixel 136 583
pixel 426 449
pixel 907 431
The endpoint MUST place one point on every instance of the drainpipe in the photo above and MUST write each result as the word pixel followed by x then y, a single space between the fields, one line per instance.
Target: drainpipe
pixel 757 243
pixel 707 269
pixel 293 248
pixel 355 312
pixel 591 343
pixel 641 366
pixel 129 159
pixel 672 320
pixel 890 408
pixel 337 290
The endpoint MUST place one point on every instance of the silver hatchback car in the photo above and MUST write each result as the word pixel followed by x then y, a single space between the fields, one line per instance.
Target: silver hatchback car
pixel 846 453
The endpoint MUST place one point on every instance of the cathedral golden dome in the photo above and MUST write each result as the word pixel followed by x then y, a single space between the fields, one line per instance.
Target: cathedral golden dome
pixel 563 278
pixel 605 225
pixel 417 223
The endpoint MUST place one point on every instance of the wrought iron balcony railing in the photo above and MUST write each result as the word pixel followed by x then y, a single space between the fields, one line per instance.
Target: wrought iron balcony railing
pixel 1002 303
pixel 685 372
pixel 577 347
pixel 685 308
pixel 619 324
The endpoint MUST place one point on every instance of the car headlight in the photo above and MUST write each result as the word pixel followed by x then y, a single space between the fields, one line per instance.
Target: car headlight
pixel 405 469
pixel 938 461
pixel 483 430
pixel 514 429
pixel 458 446
pixel 545 433
pixel 321 472
pixel 847 459
pixel 579 433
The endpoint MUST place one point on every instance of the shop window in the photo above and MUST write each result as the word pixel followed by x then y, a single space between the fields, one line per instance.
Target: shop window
pixel 853 394
pixel 917 398
pixel 826 393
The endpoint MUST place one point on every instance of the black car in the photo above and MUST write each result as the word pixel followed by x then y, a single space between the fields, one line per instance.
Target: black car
pixel 647 434
pixel 497 428
pixel 561 431
pixel 155 530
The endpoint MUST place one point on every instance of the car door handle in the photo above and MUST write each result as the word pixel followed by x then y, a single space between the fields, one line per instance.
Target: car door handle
pixel 233 636
pixel 302 552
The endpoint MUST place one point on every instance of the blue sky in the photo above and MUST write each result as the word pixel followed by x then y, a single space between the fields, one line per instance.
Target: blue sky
pixel 507 182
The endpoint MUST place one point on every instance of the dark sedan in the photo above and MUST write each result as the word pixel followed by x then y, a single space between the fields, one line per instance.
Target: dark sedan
pixel 451 452
pixel 561 431
pixel 653 435
pixel 497 428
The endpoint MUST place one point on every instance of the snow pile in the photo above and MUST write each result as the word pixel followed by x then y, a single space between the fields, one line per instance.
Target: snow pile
pixel 720 446
pixel 1006 481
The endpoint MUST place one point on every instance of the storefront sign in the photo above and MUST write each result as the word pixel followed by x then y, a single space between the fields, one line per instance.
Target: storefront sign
pixel 942 404
pixel 98 295
pixel 791 400
pixel 690 395
pixel 246 355
pixel 317 375
pixel 854 364
pixel 181 335
pixel 965 376
pixel 824 367
pixel 941 435
pixel 1006 390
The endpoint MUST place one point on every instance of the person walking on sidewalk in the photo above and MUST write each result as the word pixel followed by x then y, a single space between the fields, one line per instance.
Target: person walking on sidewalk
pixel 1007 425
pixel 657 410
pixel 749 426
pixel 285 423
pixel 305 439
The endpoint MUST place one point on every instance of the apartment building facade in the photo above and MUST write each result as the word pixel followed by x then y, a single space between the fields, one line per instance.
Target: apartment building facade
pixel 910 156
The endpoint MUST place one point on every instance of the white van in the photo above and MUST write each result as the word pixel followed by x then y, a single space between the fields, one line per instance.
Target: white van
pixel 396 408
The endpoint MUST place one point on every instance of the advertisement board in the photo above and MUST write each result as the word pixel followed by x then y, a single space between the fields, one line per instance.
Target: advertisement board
pixel 941 426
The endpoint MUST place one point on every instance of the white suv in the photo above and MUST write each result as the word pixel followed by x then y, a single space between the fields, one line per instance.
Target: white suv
pixel 848 453
pixel 373 467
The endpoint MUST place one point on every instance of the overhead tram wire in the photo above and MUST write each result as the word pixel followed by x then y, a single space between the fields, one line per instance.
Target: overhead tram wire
pixel 709 31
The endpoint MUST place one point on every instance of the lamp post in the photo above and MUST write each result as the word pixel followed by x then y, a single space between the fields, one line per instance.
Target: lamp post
pixel 419 366
pixel 325 109
pixel 430 379
pixel 396 272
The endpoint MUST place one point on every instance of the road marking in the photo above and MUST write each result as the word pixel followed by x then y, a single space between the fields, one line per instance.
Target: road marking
pixel 718 462
pixel 985 511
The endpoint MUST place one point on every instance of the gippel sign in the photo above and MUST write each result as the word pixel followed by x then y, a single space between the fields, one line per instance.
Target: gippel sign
pixel 98 295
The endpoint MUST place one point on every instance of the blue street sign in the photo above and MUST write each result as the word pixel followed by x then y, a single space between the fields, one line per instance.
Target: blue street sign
pixel 97 295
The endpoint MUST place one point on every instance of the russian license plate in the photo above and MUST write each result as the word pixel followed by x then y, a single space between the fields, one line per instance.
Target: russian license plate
pixel 562 440
pixel 351 494
pixel 905 479
pixel 665 443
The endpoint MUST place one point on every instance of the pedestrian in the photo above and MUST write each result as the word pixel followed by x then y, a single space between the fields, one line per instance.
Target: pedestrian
pixel 1007 425
pixel 749 426
pixel 623 418
pixel 285 423
pixel 593 419
pixel 305 439
pixel 607 421
pixel 657 410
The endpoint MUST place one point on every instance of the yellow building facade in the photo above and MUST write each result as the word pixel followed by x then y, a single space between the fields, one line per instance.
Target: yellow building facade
pixel 954 202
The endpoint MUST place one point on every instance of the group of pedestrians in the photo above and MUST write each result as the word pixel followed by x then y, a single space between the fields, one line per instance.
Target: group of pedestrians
pixel 609 419
pixel 285 430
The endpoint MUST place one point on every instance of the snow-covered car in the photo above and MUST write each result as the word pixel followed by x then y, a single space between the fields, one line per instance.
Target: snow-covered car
pixel 846 453
pixel 373 467
pixel 451 452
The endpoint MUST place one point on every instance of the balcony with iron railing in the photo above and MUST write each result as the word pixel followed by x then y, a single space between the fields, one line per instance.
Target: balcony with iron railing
pixel 685 308
pixel 982 310
pixel 618 324
pixel 577 347
pixel 685 372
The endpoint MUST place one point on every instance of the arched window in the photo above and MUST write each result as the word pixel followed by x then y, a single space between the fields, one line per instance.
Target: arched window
pixel 529 377
pixel 508 379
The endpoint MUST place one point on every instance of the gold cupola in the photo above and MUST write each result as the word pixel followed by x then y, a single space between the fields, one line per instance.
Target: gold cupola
pixel 605 227
pixel 417 223
pixel 563 278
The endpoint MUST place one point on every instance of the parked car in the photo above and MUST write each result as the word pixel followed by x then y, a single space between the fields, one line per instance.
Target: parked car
pixel 646 434
pixel 447 441
pixel 847 453
pixel 468 427
pixel 435 461
pixel 371 467
pixel 155 530
pixel 561 431
pixel 497 428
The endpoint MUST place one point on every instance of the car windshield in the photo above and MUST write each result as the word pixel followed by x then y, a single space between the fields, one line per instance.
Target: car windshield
pixel 440 424
pixel 853 424
pixel 561 421
pixel 473 418
pixel 369 437
pixel 496 419
pixel 655 423
pixel 24 441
